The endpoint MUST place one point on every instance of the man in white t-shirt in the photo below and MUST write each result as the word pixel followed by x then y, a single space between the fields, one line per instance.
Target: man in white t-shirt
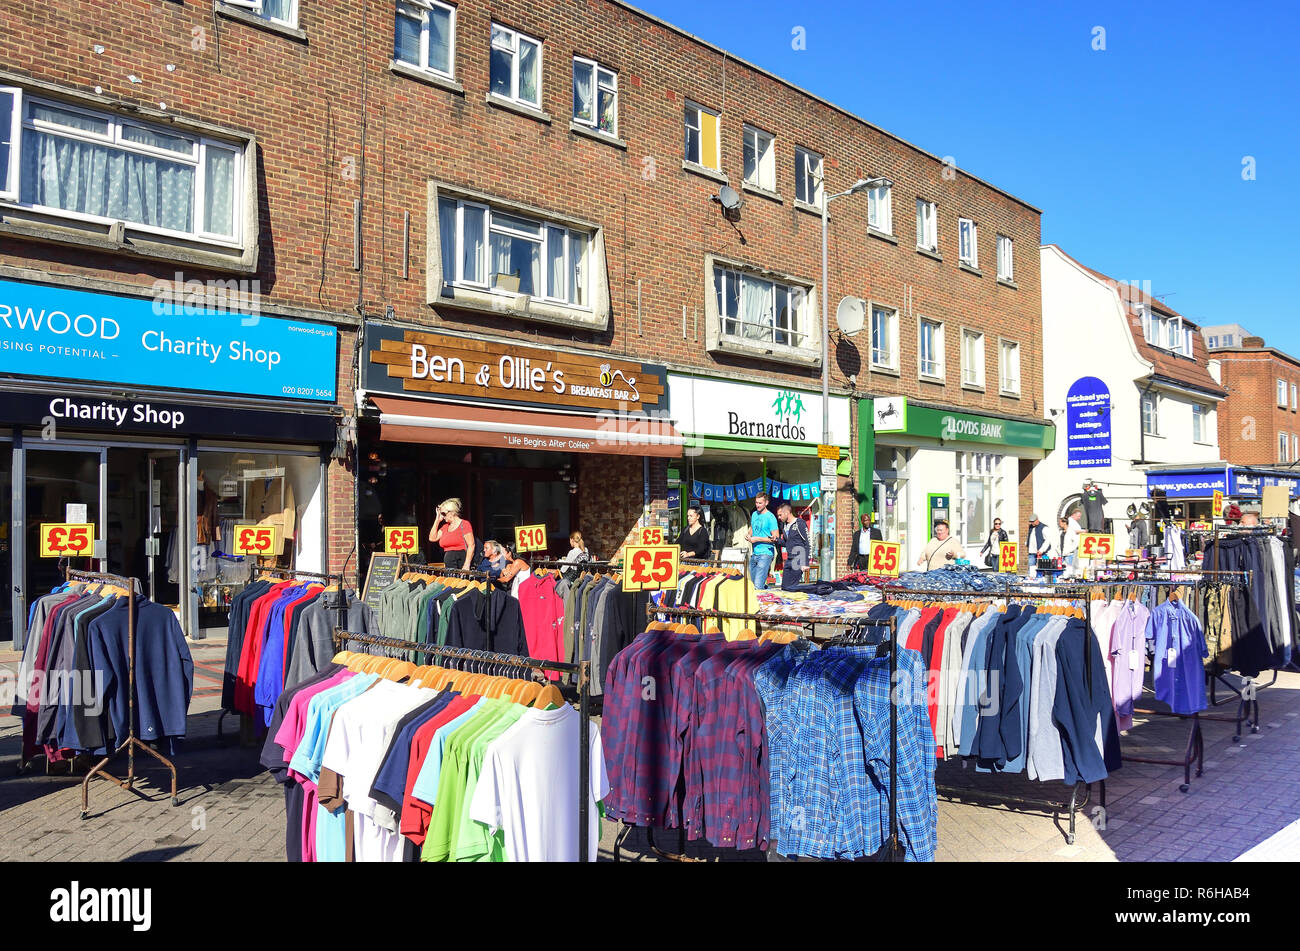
pixel 1070 548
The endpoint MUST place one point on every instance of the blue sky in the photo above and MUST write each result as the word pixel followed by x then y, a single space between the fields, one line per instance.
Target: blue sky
pixel 1134 153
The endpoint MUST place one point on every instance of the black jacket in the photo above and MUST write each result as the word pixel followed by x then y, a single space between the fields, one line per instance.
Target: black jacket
pixel 1000 534
pixel 488 622
pixel 695 545
pixel 856 559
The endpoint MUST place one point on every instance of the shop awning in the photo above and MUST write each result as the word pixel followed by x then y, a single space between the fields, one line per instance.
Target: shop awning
pixel 447 424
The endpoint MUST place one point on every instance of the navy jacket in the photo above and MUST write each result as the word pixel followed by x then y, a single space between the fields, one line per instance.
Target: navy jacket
pixel 1078 707
pixel 998 739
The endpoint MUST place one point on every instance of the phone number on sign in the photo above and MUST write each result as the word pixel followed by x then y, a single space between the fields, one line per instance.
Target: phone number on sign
pixel 307 391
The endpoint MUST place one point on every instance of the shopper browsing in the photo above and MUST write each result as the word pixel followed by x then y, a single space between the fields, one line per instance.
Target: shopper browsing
pixel 763 534
pixel 694 539
pixel 1070 541
pixel 1039 543
pixel 794 539
pixel 453 534
pixel 941 550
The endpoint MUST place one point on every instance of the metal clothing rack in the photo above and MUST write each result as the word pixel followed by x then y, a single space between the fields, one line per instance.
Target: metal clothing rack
pixel 492 659
pixel 739 567
pixel 131 742
pixel 1068 591
pixel 892 850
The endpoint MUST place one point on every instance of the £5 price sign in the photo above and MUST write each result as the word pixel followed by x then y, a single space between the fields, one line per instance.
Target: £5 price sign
pixel 1217 504
pixel 883 558
pixel 1097 545
pixel 650 567
pixel 652 535
pixel 530 538
pixel 401 539
pixel 260 540
pixel 1008 556
pixel 65 539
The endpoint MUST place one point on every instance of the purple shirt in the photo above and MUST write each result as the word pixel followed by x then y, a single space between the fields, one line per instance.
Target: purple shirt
pixel 1127 660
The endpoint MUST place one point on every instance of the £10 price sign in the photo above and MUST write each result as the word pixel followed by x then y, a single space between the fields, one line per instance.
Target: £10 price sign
pixel 401 539
pixel 1008 556
pixel 1097 545
pixel 64 539
pixel 530 538
pixel 260 540
pixel 650 567
pixel 883 558
pixel 652 535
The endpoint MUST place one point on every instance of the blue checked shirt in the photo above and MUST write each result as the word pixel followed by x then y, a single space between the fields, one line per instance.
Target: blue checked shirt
pixel 772 683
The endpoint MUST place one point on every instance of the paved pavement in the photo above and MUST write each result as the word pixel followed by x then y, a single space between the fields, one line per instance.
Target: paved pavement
pixel 1247 803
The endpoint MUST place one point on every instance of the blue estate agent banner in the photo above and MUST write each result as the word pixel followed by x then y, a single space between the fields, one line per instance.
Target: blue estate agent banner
pixel 1087 424
pixel 90 337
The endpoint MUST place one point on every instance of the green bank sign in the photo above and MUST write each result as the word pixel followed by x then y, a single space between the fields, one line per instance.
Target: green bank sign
pixel 892 414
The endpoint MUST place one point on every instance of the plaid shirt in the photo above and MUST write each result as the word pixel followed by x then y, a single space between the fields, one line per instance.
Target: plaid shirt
pixel 918 812
pixel 622 708
pixel 772 682
pixel 672 790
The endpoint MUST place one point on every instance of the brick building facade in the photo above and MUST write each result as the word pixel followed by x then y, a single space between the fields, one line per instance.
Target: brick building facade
pixel 323 161
pixel 1259 422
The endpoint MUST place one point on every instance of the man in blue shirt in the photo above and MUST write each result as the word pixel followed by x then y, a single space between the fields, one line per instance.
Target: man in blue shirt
pixel 763 535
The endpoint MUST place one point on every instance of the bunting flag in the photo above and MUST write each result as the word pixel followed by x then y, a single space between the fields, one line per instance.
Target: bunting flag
pixel 706 492
pixel 775 489
pixel 741 494
pixel 696 488
pixel 729 492
pixel 753 487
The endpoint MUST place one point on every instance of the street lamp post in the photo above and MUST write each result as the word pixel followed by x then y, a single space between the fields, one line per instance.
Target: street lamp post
pixel 828 498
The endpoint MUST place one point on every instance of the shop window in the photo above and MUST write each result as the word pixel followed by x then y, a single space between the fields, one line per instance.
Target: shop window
pixel 516 66
pixel 426 36
pixel 979 502
pixel 760 159
pixel 595 96
pixel 99 167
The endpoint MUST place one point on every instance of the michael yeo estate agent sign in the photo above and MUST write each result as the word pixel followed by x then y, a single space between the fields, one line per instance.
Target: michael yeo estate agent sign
pixel 1087 424
pixel 88 337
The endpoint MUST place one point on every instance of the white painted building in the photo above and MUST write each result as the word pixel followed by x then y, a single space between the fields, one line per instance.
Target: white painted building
pixel 1127 382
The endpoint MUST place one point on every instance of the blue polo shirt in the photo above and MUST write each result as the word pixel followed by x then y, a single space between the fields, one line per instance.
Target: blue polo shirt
pixel 761 526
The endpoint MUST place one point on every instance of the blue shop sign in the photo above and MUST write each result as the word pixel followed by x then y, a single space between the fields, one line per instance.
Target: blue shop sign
pixel 1196 484
pixel 1252 484
pixel 175 340
pixel 1087 424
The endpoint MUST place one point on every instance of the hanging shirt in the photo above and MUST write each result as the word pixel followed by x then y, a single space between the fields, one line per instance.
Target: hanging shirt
pixel 1179 671
pixel 1127 657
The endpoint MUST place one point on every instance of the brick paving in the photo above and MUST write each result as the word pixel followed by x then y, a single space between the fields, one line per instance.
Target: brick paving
pixel 1247 803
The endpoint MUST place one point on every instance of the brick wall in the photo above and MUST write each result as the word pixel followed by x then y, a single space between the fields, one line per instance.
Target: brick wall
pixel 334 124
pixel 1250 419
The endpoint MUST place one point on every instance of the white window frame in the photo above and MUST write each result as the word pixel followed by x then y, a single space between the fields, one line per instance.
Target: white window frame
pixel 516 40
pixel 880 209
pixel 1293 397
pixel 972 368
pixel 1006 258
pixel 1152 399
pixel 113 137
pixel 255 7
pixel 1005 345
pixel 427 6
pixel 797 297
pixel 1199 419
pixel 547 229
pixel 809 169
pixel 890 316
pixel 934 368
pixel 968 251
pixel 9 174
pixel 690 105
pixel 764 160
pixel 927 225
pixel 1283 446
pixel 602 77
pixel 1213 342
pixel 1281 393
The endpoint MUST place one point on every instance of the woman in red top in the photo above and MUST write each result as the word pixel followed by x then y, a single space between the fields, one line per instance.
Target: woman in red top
pixel 453 534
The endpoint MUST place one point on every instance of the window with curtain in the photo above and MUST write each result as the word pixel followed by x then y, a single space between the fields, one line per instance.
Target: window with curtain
pixel 595 96
pixel 760 160
pixel 880 209
pixel 972 358
pixel 808 177
pixel 1010 366
pixel 278 11
pixel 927 237
pixel 758 309
pixel 884 337
pixel 10 125
pixel 1006 264
pixel 484 247
pixel 968 250
pixel 425 35
pixel 515 66
pixel 931 337
pixel 702 146
pixel 103 167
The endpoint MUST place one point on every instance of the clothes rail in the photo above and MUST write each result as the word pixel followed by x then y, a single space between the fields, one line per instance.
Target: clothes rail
pixel 447 572
pixel 1066 591
pixel 582 670
pixel 599 567
pixel 131 743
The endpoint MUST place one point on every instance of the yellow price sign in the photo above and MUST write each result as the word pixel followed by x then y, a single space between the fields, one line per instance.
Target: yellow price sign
pixel 67 539
pixel 530 538
pixel 1217 504
pixel 401 539
pixel 1008 556
pixel 652 535
pixel 259 540
pixel 650 567
pixel 883 558
pixel 1096 545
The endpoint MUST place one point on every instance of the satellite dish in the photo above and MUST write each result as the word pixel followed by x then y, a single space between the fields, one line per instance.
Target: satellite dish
pixel 850 315
pixel 728 198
